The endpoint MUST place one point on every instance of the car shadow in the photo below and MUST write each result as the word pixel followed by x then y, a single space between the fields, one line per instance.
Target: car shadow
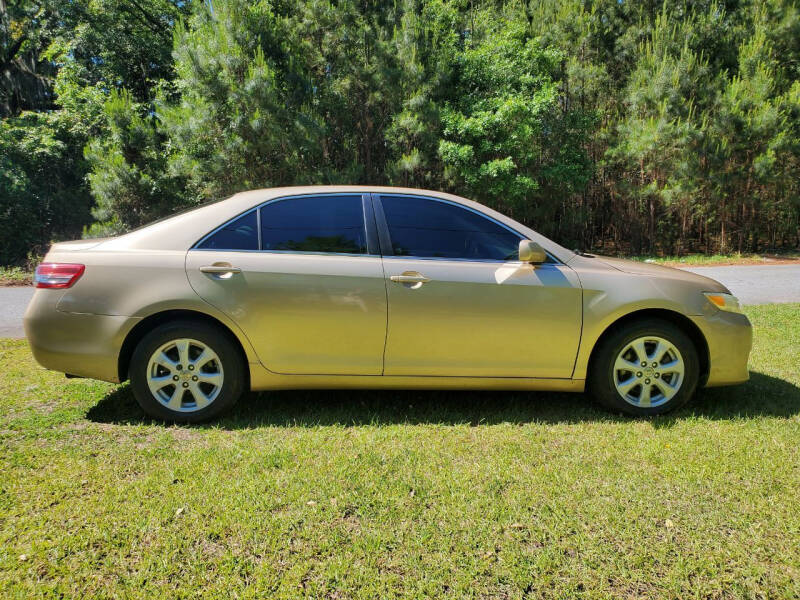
pixel 762 396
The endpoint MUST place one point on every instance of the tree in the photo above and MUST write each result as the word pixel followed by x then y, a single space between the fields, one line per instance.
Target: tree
pixel 506 139
pixel 25 76
pixel 41 192
pixel 129 177
pixel 755 145
pixel 659 139
pixel 621 126
pixel 60 61
pixel 428 44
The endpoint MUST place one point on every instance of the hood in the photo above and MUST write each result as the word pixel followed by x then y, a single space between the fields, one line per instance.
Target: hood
pixel 636 267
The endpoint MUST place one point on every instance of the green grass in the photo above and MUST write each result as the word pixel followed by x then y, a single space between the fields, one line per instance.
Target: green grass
pixel 411 494
pixel 15 276
pixel 719 259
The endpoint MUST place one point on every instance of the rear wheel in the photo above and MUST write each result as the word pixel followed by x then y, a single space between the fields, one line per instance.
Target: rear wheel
pixel 645 368
pixel 186 372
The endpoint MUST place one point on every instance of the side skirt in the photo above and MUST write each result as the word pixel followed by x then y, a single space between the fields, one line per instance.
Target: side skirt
pixel 261 379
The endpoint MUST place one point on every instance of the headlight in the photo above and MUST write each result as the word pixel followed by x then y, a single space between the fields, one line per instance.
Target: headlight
pixel 727 302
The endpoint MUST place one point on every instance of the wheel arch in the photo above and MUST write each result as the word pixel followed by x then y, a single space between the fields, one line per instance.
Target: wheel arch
pixel 676 318
pixel 150 322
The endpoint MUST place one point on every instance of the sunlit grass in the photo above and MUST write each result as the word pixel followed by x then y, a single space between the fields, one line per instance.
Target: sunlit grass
pixel 410 494
pixel 15 276
pixel 721 259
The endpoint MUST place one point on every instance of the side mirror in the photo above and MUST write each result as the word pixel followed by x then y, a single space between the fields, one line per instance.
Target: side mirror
pixel 531 252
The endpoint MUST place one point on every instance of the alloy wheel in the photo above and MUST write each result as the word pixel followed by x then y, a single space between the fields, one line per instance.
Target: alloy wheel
pixel 185 375
pixel 648 372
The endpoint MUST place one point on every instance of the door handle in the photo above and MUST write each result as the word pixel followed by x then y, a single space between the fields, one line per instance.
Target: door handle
pixel 410 277
pixel 220 269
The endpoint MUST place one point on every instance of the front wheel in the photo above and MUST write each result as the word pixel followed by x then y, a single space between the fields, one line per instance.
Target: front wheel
pixel 649 367
pixel 186 372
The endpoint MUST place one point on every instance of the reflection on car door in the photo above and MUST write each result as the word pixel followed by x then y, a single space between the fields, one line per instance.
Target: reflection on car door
pixel 460 304
pixel 307 290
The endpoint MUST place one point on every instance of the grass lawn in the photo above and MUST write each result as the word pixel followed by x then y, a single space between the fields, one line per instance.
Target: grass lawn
pixel 700 260
pixel 367 495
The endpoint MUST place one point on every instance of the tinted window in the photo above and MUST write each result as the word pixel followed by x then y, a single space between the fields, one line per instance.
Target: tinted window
pixel 239 234
pixel 314 224
pixel 427 228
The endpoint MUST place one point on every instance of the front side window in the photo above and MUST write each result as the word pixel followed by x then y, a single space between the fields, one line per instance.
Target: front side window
pixel 239 234
pixel 314 224
pixel 427 228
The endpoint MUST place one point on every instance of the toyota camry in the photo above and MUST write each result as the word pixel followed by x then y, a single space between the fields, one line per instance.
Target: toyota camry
pixel 374 287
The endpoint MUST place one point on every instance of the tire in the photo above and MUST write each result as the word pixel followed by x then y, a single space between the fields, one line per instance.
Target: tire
pixel 616 368
pixel 212 381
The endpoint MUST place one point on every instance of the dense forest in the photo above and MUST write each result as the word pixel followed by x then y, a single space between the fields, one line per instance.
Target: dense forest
pixel 610 125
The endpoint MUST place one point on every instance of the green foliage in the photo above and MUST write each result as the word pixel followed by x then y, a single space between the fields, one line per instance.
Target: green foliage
pixel 129 177
pixel 244 118
pixel 41 189
pixel 25 27
pixel 757 138
pixel 109 43
pixel 60 62
pixel 628 126
pixel 428 45
pixel 505 138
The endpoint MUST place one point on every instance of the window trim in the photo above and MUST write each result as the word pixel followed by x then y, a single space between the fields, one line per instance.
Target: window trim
pixel 369 228
pixel 386 239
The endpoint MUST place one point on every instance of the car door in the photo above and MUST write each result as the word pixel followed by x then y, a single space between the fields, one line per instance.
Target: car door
pixel 461 303
pixel 302 277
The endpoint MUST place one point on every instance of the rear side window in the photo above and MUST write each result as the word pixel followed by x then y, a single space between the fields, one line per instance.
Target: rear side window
pixel 430 229
pixel 314 224
pixel 239 234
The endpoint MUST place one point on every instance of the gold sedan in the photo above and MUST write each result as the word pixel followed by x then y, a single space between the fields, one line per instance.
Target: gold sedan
pixel 372 287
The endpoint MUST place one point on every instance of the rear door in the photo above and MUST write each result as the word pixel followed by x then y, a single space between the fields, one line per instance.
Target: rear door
pixel 302 276
pixel 461 303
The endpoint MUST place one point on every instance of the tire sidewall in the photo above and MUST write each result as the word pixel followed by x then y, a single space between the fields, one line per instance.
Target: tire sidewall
pixel 602 384
pixel 217 340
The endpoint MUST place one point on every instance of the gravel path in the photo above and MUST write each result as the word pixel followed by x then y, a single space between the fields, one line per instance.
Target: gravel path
pixel 756 284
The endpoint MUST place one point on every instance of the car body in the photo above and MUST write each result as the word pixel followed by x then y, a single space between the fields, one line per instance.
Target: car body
pixel 389 305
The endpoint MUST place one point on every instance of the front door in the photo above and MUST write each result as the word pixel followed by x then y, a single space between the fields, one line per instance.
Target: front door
pixel 306 283
pixel 461 303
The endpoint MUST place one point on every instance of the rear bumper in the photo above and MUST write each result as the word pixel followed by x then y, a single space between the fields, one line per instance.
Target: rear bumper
pixel 76 343
pixel 730 338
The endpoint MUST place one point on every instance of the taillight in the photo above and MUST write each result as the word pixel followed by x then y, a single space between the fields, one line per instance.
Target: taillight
pixel 57 275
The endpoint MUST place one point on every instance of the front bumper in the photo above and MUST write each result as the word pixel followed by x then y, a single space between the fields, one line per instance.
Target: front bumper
pixel 729 337
pixel 76 343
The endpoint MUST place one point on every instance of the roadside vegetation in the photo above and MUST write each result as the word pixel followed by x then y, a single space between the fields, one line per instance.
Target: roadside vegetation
pixel 409 494
pixel 21 274
pixel 639 127
pixel 699 260
pixel 14 276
